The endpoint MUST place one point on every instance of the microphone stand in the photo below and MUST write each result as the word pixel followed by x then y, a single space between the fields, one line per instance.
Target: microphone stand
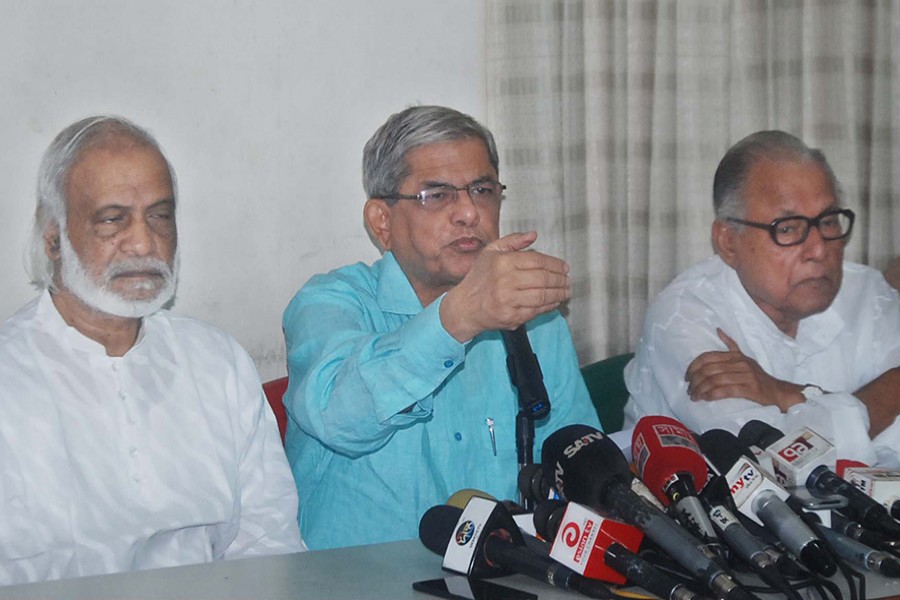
pixel 534 403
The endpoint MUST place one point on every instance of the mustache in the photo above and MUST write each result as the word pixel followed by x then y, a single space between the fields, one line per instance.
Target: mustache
pixel 134 266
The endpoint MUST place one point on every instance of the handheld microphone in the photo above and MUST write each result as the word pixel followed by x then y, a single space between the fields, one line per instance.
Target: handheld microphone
pixel 806 459
pixel 602 548
pixel 717 494
pixel 860 508
pixel 882 485
pixel 763 500
pixel 855 531
pixel 483 540
pixel 589 468
pixel 793 456
pixel 525 373
pixel 669 462
pixel 861 555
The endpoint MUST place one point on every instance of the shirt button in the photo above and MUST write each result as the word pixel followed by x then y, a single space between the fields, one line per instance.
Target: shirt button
pixel 136 478
pixel 115 366
pixel 133 451
pixel 123 395
pixel 458 436
pixel 448 363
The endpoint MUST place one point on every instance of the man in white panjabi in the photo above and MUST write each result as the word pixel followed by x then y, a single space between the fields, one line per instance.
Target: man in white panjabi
pixel 130 437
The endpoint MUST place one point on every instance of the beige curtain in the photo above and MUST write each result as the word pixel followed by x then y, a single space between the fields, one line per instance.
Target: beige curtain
pixel 612 115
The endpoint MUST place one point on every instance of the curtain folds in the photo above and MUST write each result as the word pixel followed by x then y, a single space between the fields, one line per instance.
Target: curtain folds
pixel 612 115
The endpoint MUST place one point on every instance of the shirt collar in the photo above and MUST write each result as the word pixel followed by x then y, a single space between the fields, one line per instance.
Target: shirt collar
pixel 395 292
pixel 49 314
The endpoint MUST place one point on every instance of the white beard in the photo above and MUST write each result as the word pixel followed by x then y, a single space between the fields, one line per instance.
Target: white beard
pixel 98 296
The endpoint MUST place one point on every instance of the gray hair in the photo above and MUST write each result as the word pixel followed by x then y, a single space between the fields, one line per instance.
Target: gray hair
pixel 59 159
pixel 384 156
pixel 732 171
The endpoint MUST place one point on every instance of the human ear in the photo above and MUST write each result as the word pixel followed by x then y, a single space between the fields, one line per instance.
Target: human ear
pixel 724 240
pixel 51 242
pixel 377 214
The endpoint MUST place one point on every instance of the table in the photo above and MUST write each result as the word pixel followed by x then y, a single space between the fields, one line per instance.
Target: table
pixel 376 572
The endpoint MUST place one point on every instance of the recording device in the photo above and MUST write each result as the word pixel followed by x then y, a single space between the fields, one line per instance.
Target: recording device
pixel 670 464
pixel 882 485
pixel 525 373
pixel 483 540
pixel 760 498
pixel 603 548
pixel 588 468
pixel 464 588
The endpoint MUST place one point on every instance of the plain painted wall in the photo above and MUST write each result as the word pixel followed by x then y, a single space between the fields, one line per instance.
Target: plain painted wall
pixel 263 107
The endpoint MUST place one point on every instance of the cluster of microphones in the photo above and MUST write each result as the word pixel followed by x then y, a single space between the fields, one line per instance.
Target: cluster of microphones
pixel 709 516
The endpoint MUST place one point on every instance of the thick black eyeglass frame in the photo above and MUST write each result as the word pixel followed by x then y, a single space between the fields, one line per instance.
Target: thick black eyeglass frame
pixel 772 227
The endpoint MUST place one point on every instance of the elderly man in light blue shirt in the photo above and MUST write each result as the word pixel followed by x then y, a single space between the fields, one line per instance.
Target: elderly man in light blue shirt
pixel 399 394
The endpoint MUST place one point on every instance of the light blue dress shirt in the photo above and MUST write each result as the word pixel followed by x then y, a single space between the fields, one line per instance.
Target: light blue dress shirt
pixel 387 411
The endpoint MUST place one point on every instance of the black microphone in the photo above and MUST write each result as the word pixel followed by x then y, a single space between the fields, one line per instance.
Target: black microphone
pixel 860 508
pixel 763 500
pixel 603 547
pixel 855 531
pixel 484 541
pixel 525 373
pixel 861 555
pixel 588 468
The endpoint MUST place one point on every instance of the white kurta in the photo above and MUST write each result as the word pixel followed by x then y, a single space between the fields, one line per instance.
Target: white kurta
pixel 840 350
pixel 168 455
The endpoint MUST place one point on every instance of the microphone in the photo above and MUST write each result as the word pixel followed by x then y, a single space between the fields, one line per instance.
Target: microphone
pixel 482 540
pixel 855 531
pixel 860 508
pixel 759 497
pixel 748 540
pixel 861 555
pixel 669 462
pixel 805 458
pixel 882 485
pixel 602 548
pixel 793 456
pixel 589 468
pixel 525 373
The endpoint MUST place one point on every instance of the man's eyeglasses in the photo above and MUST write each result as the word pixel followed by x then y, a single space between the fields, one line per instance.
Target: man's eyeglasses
pixel 482 193
pixel 791 231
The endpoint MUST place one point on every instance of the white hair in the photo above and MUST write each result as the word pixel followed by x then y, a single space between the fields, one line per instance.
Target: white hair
pixel 56 165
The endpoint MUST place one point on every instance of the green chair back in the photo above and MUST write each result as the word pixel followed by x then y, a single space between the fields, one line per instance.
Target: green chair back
pixel 605 382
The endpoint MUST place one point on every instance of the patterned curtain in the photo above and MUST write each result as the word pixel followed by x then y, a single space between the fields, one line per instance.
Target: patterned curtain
pixel 612 115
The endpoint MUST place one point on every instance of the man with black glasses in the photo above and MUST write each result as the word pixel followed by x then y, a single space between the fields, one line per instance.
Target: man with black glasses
pixel 776 327
pixel 399 394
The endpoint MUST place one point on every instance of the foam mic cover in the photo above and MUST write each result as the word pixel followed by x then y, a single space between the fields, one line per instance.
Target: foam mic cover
pixel 437 525
pixel 583 463
pixel 758 433
pixel 663 447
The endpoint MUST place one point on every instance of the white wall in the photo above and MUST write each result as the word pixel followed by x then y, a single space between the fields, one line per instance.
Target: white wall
pixel 263 107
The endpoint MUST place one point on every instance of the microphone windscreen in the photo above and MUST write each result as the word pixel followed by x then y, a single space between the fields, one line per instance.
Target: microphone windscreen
pixel 437 526
pixel 460 498
pixel 546 518
pixel 723 449
pixel 662 447
pixel 760 434
pixel 583 462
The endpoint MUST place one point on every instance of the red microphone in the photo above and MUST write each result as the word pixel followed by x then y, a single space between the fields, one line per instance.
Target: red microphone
pixel 669 461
